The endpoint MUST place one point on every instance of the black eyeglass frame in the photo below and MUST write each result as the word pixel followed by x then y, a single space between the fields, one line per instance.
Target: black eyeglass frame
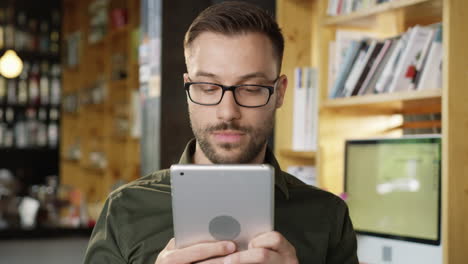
pixel 271 90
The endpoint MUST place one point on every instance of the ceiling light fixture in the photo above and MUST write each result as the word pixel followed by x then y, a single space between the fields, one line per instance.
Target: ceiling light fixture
pixel 10 64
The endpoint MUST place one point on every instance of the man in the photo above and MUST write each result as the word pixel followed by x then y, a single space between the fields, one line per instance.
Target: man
pixel 233 54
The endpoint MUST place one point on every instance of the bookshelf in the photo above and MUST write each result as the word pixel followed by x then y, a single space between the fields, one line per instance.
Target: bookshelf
pixel 103 87
pixel 297 52
pixel 308 31
pixel 362 17
pixel 376 99
pixel 301 155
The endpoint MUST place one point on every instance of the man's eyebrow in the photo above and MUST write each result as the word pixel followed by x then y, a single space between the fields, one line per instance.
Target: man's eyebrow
pixel 205 74
pixel 254 75
pixel 241 78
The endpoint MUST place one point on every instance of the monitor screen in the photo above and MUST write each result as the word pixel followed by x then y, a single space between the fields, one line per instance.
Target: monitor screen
pixel 393 187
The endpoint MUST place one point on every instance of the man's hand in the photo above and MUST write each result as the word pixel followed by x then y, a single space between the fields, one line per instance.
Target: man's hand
pixel 271 248
pixel 195 253
pixel 268 248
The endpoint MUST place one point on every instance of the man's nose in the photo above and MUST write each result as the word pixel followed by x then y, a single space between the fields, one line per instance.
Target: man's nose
pixel 228 109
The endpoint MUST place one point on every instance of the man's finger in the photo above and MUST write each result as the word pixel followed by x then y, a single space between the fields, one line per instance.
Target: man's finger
pixel 201 252
pixel 170 245
pixel 274 241
pixel 254 255
pixel 219 260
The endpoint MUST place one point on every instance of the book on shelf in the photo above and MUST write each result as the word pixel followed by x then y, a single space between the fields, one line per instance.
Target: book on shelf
pixel 298 111
pixel 345 69
pixel 418 40
pixel 343 40
pixel 385 79
pixel 411 61
pixel 332 70
pixel 357 68
pixel 376 68
pixel 311 116
pixel 343 7
pixel 372 57
pixel 305 109
pixel 431 74
pixel 364 68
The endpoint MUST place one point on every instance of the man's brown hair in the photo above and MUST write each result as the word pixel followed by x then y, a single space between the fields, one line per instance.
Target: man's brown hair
pixel 233 18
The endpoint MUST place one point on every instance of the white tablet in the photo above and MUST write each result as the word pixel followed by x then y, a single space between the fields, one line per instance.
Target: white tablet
pixel 221 202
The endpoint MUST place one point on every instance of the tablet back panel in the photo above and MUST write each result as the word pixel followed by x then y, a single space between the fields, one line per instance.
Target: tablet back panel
pixel 221 202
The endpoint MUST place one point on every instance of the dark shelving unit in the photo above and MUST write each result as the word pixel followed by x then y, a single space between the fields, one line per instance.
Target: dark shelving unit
pixel 31 163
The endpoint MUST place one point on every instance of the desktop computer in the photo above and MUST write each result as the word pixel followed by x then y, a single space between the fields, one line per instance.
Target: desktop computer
pixel 393 189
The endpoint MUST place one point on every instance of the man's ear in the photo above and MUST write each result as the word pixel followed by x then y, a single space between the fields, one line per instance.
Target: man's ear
pixel 281 90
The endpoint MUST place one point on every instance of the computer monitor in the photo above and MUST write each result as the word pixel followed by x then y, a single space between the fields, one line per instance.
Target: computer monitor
pixel 393 189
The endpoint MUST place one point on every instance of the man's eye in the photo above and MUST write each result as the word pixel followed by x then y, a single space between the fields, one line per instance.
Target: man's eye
pixel 253 90
pixel 210 89
pixel 250 89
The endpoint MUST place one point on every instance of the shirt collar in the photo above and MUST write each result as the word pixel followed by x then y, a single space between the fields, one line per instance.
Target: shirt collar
pixel 280 181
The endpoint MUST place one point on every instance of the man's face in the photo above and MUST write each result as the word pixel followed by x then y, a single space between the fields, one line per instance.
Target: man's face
pixel 227 132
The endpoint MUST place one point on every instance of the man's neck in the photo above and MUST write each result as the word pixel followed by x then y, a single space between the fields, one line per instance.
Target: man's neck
pixel 200 158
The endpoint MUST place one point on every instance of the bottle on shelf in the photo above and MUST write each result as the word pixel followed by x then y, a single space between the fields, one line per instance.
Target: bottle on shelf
pixel 33 40
pixel 21 131
pixel 21 33
pixel 3 90
pixel 8 140
pixel 44 41
pixel 11 92
pixel 32 127
pixel 2 127
pixel 42 128
pixel 55 32
pixel 53 130
pixel 9 28
pixel 34 85
pixel 2 27
pixel 23 85
pixel 44 84
pixel 55 92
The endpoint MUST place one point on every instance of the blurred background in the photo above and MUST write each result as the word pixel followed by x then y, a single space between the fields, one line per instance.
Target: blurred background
pixel 91 94
pixel 91 98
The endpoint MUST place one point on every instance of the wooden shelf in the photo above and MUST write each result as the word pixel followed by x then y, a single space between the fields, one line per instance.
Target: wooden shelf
pixel 95 170
pixel 305 155
pixel 98 44
pixel 72 115
pixel 383 98
pixel 110 36
pixel 94 123
pixel 361 17
pixel 70 161
pixel 100 107
pixel 383 115
pixel 121 31
pixel 423 124
pixel 118 84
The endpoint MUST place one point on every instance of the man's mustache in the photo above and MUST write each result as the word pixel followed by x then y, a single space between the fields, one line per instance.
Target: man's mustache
pixel 228 126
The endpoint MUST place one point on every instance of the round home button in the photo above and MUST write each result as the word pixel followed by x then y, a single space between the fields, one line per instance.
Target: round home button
pixel 224 227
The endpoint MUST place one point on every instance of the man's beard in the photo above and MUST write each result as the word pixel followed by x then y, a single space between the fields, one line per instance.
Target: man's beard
pixel 247 152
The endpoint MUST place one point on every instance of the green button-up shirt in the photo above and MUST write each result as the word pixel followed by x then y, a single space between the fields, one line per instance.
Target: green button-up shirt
pixel 136 222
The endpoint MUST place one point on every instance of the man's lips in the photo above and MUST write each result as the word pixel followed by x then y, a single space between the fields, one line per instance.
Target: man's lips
pixel 228 136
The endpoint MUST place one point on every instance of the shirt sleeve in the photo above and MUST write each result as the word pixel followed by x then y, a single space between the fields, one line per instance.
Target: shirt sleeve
pixel 103 246
pixel 343 246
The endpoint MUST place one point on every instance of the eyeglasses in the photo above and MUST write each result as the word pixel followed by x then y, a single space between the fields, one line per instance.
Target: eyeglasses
pixel 246 95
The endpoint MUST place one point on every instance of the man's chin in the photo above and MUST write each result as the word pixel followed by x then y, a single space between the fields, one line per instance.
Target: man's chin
pixel 228 154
